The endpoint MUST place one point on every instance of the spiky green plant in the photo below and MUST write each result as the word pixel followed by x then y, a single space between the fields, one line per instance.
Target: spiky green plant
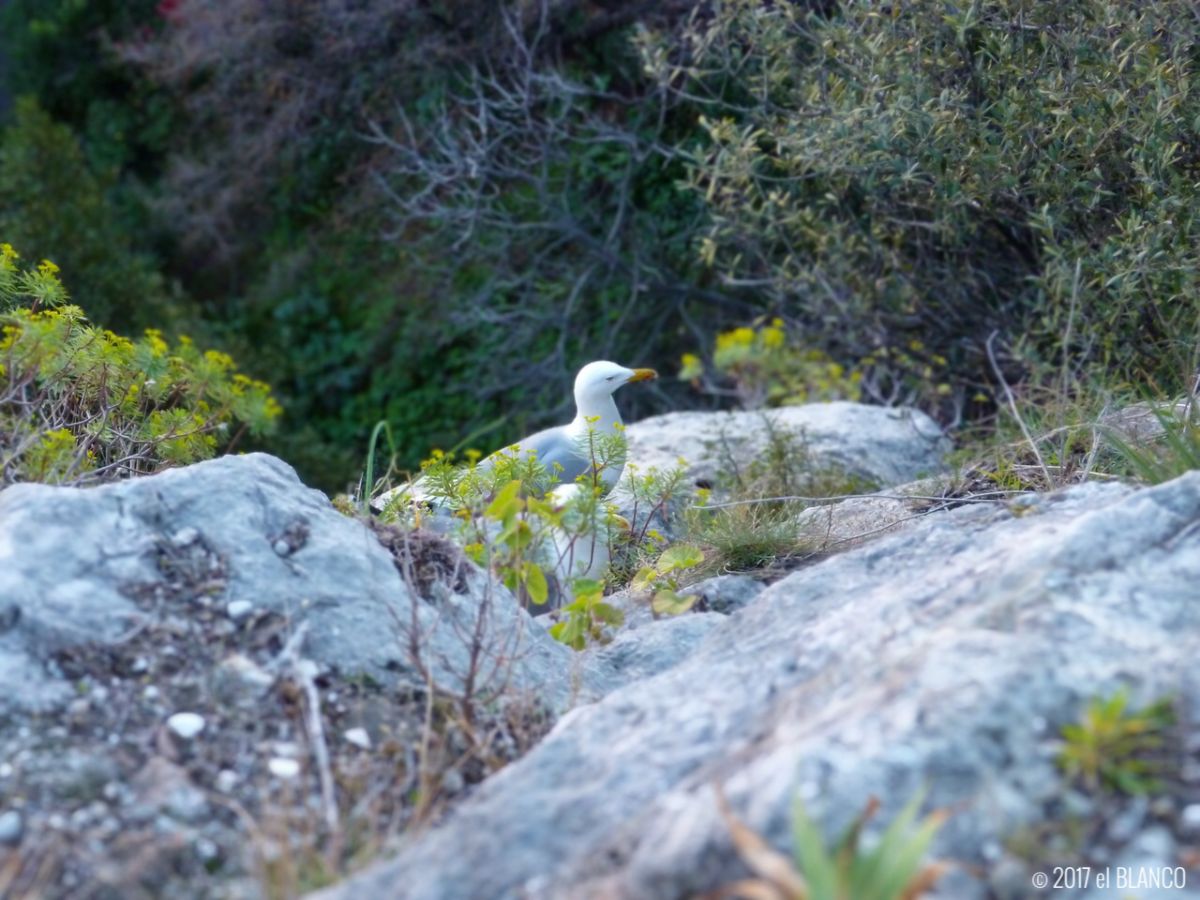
pixel 1114 748
pixel 893 868
pixel 1167 456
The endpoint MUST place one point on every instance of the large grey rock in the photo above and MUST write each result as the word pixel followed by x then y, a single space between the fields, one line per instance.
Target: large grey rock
pixel 884 445
pixel 637 654
pixel 948 654
pixel 91 566
pixel 840 525
pixel 724 593
pixel 1142 423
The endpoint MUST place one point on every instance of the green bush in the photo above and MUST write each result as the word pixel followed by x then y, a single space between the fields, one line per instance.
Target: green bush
pixel 66 54
pixel 933 172
pixel 378 279
pixel 80 404
pixel 53 203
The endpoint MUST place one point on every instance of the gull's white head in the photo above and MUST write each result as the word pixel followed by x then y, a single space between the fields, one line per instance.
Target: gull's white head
pixel 598 380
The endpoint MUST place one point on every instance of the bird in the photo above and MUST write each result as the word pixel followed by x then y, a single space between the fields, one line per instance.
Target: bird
pixel 566 451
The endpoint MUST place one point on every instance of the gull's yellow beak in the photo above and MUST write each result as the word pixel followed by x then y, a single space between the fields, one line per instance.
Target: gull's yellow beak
pixel 642 375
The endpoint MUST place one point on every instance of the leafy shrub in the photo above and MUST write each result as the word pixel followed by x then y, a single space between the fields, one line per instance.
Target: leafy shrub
pixel 662 579
pixel 544 541
pixel 53 203
pixel 762 368
pixel 935 173
pixel 80 404
pixel 586 616
pixel 65 53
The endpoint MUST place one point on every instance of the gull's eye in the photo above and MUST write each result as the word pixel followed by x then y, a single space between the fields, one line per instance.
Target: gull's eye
pixel 610 377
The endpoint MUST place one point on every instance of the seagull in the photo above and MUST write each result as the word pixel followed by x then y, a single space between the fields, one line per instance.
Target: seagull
pixel 566 451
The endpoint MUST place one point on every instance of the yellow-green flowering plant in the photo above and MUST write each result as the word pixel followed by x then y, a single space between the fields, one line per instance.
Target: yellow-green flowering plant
pixel 80 404
pixel 759 366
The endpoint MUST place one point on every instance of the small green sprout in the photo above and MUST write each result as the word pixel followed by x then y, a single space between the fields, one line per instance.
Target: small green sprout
pixel 662 579
pixel 586 615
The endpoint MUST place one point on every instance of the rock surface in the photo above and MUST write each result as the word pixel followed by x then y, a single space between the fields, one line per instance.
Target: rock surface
pixel 166 645
pixel 93 566
pixel 882 445
pixel 948 655
pixel 945 652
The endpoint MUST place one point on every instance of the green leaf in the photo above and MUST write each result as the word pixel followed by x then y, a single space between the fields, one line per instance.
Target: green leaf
pixel 669 603
pixel 506 504
pixel 545 510
pixel 586 586
pixel 535 583
pixel 644 579
pixel 816 862
pixel 570 632
pixel 680 556
pixel 517 535
pixel 608 614
pixel 509 579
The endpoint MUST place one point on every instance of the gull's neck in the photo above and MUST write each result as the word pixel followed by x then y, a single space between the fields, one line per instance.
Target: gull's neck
pixel 601 409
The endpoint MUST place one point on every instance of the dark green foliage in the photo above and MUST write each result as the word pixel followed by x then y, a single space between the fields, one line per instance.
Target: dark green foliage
pixel 538 201
pixel 67 54
pixel 932 171
pixel 54 205
pixel 415 212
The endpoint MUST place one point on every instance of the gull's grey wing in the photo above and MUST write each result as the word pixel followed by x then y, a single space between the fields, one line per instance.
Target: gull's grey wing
pixel 554 448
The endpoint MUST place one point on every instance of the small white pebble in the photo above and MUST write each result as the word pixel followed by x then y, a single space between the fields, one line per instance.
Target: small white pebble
pixel 282 547
pixel 150 692
pixel 206 849
pixel 12 826
pixel 186 725
pixel 1189 819
pixel 6 770
pixel 358 737
pixel 239 609
pixel 227 780
pixel 453 782
pixel 185 537
pixel 283 768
